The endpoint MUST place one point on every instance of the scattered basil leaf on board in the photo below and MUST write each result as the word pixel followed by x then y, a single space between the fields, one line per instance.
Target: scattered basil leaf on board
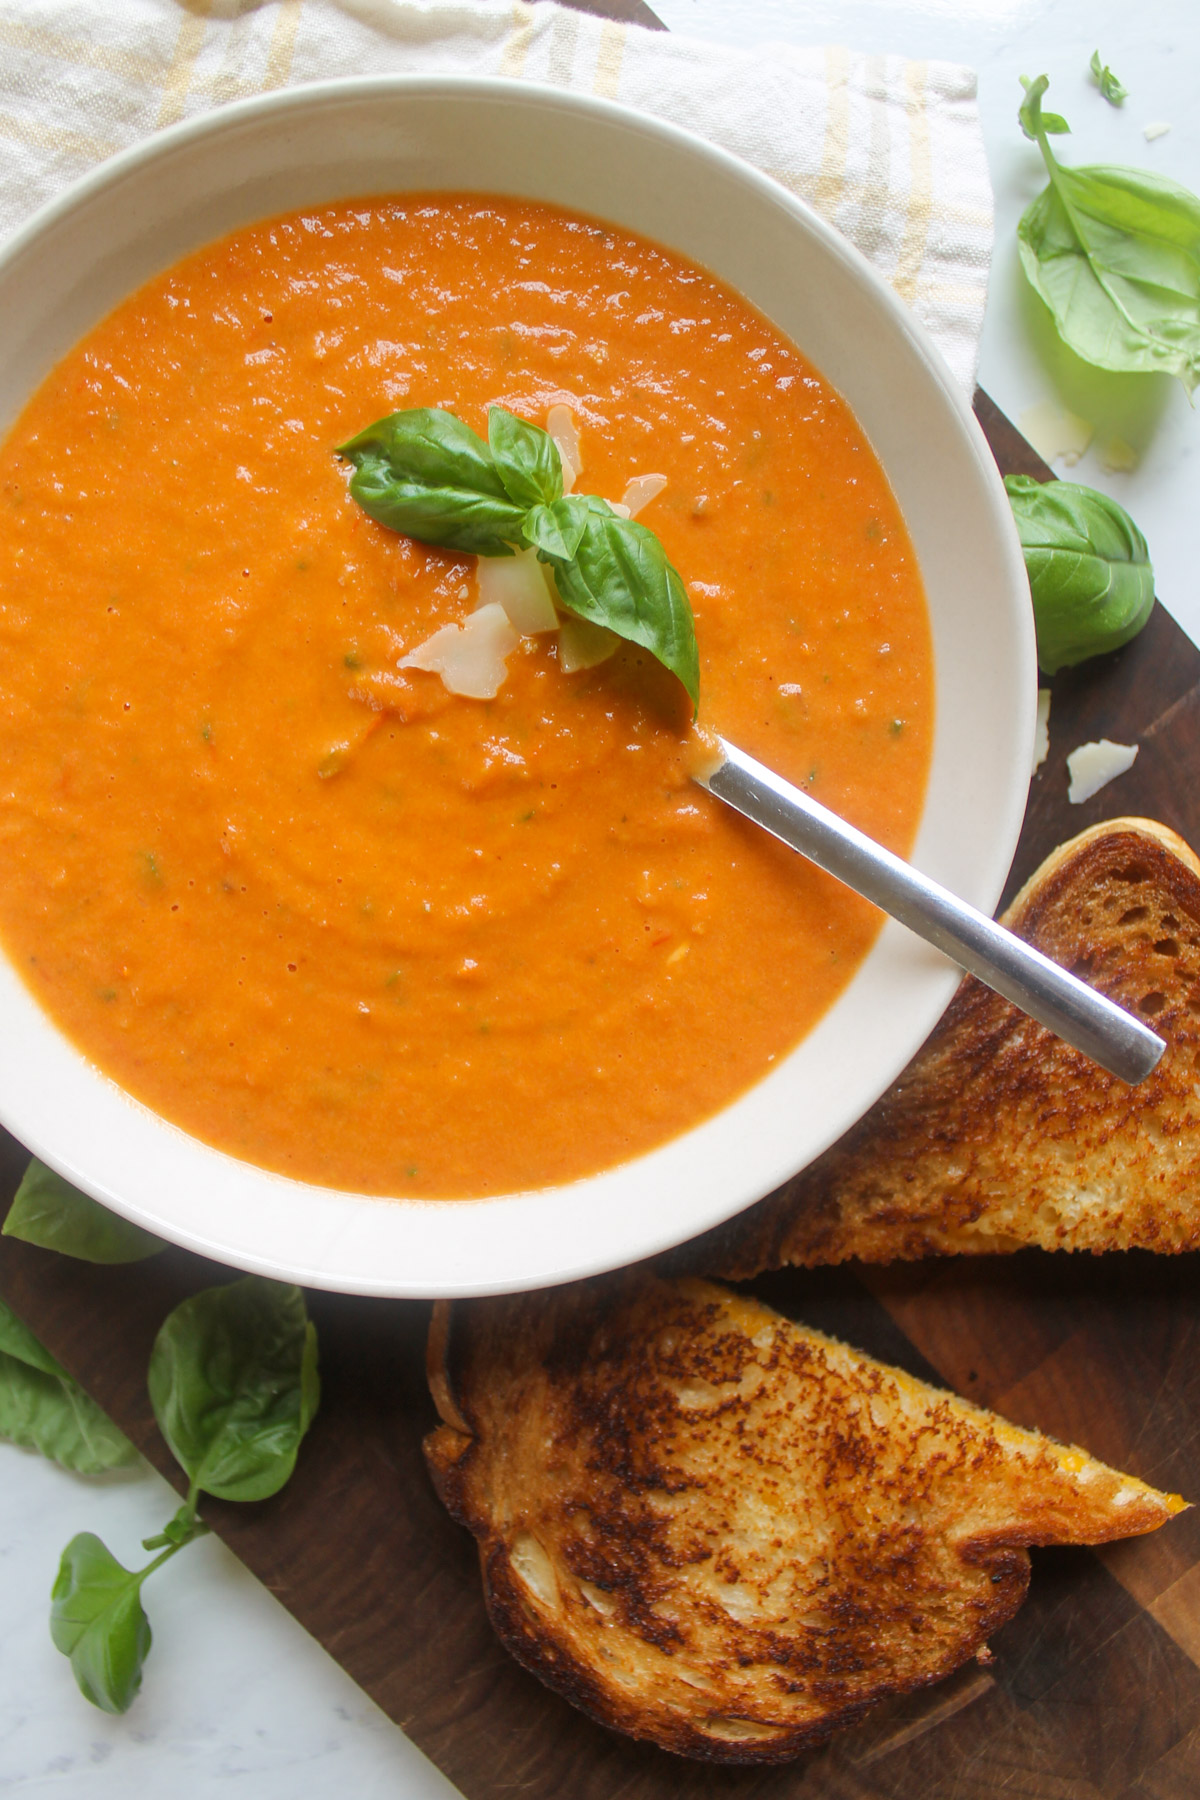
pixel 50 1212
pixel 96 1619
pixel 1089 570
pixel 426 474
pixel 1115 255
pixel 1107 82
pixel 233 1383
pixel 42 1409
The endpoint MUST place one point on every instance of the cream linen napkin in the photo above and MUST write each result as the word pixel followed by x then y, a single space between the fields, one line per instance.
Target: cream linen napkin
pixel 889 151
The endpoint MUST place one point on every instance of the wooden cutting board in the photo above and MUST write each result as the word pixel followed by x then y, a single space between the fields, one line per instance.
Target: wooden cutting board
pixel 1095 1687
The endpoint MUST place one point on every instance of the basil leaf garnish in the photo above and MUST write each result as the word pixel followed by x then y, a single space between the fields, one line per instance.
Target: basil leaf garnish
pixel 96 1618
pixel 1115 255
pixel 527 459
pixel 426 474
pixel 1089 569
pixel 44 1410
pixel 48 1211
pixel 233 1383
pixel 619 576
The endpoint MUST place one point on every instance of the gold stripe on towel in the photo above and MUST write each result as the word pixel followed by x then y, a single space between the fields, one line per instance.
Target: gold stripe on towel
pixel 608 60
pixel 79 54
pixel 53 137
pixel 920 199
pixel 188 45
pixel 830 182
pixel 283 44
pixel 516 49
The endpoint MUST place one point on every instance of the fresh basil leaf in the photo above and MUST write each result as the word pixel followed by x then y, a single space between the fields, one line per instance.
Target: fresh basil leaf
pixel 96 1618
pixel 1107 82
pixel 554 531
pixel 1115 255
pixel 233 1383
pixel 48 1211
pixel 619 576
pixel 527 459
pixel 42 1409
pixel 426 474
pixel 17 1340
pixel 51 1414
pixel 1089 569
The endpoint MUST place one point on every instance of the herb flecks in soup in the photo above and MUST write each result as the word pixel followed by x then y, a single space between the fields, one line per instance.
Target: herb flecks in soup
pixel 302 900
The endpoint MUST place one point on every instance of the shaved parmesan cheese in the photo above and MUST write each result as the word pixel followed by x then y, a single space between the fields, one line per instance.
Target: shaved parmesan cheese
pixel 470 658
pixel 1157 128
pixel 640 492
pixel 1093 766
pixel 1041 731
pixel 581 645
pixel 1117 456
pixel 620 508
pixel 1055 432
pixel 521 585
pixel 560 423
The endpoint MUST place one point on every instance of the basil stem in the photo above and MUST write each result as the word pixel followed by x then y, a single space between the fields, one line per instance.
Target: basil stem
pixel 1115 255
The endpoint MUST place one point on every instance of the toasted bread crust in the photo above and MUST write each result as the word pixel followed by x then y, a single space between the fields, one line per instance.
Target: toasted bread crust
pixel 714 1529
pixel 998 1135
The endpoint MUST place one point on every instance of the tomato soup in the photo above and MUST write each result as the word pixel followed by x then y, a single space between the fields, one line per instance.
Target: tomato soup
pixel 314 908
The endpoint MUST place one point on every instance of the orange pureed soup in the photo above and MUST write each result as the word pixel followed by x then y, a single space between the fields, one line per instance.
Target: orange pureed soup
pixel 317 910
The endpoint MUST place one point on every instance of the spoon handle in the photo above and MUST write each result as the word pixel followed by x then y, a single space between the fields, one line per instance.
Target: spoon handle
pixel 1059 1001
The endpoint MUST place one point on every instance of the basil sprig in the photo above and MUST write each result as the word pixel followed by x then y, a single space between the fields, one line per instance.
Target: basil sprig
pixel 426 474
pixel 1115 255
pixel 233 1383
pixel 49 1212
pixel 1089 569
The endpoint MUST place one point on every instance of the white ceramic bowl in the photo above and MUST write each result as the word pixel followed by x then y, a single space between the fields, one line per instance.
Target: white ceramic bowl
pixel 186 187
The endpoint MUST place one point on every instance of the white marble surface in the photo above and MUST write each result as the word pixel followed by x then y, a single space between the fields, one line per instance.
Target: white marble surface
pixel 238 1698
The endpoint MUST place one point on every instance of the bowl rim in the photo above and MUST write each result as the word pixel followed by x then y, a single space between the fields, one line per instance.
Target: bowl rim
pixel 323 1263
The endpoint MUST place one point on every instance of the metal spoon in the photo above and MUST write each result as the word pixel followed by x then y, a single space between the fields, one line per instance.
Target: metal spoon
pixel 1063 1004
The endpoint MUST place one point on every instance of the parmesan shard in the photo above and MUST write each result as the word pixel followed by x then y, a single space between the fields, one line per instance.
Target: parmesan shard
pixel 1055 432
pixel 1155 129
pixel 1093 766
pixel 560 423
pixel 521 585
pixel 582 645
pixel 1041 731
pixel 470 658
pixel 640 492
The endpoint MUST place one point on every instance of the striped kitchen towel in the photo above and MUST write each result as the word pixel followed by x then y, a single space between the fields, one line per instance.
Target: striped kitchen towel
pixel 889 151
